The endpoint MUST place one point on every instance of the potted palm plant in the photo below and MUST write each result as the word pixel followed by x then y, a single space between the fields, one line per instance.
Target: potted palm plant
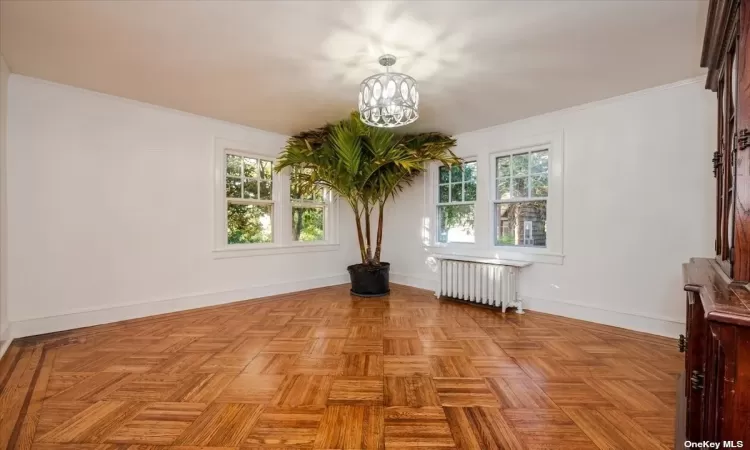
pixel 364 166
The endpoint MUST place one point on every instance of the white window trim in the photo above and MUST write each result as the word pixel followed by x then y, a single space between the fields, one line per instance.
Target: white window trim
pixel 430 232
pixel 553 252
pixel 330 219
pixel 282 207
pixel 483 246
pixel 496 201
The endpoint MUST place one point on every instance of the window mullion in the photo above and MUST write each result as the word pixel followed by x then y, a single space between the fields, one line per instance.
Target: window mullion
pixel 249 201
pixel 521 200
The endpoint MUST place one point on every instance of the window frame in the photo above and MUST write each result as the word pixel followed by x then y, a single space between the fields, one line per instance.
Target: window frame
pixel 282 241
pixel 304 203
pixel 553 252
pixel 432 196
pixel 438 203
pixel 276 214
pixel 498 201
pixel 486 145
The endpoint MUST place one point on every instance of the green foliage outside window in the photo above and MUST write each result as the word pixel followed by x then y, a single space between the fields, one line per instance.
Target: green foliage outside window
pixel 308 224
pixel 249 224
pixel 308 208
pixel 457 185
pixel 249 190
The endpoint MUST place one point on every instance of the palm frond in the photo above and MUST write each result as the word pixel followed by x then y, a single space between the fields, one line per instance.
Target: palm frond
pixel 363 165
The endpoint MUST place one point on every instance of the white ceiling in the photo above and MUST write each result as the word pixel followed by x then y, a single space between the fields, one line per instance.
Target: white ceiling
pixel 286 66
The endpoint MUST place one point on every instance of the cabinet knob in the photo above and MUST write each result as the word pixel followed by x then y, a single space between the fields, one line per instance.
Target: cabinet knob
pixel 682 344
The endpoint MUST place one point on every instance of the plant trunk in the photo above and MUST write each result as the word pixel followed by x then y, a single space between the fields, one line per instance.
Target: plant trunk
pixel 368 234
pixel 379 239
pixel 358 220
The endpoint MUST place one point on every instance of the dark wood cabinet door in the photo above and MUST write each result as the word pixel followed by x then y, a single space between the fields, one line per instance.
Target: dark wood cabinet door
pixel 696 328
pixel 725 54
pixel 712 385
pixel 738 67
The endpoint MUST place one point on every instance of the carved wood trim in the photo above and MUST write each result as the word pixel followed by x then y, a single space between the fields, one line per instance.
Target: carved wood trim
pixel 721 20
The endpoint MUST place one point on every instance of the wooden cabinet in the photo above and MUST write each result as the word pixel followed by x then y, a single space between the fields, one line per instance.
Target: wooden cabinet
pixel 717 356
pixel 725 55
pixel 714 398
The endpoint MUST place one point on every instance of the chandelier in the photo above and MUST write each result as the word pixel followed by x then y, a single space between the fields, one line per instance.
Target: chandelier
pixel 388 99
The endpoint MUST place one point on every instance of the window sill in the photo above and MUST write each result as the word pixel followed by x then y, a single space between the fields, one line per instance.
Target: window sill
pixel 224 253
pixel 534 255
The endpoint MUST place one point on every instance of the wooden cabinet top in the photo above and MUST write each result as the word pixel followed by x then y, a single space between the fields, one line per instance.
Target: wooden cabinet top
pixel 720 24
pixel 723 301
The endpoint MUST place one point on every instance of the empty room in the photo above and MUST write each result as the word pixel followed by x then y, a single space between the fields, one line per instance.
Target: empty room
pixel 426 224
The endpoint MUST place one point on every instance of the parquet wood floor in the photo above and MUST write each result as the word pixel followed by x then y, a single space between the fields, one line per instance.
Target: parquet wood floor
pixel 323 370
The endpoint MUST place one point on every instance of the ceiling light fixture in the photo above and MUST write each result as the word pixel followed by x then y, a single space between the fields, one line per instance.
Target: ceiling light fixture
pixel 388 99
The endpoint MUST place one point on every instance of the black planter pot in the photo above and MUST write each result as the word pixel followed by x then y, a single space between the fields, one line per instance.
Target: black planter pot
pixel 369 281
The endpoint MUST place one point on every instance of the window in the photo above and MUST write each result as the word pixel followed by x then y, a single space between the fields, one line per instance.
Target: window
pixel 308 210
pixel 520 199
pixel 457 194
pixel 249 199
pixel 518 189
pixel 258 211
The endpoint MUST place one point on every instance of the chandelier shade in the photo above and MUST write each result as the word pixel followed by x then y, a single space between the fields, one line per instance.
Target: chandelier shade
pixel 388 99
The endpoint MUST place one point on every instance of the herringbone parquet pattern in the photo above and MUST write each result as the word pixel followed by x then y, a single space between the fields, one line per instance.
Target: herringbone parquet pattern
pixel 324 370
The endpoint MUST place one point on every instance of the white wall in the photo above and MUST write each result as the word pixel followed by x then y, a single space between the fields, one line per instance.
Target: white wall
pixel 4 75
pixel 110 213
pixel 637 203
pixel 110 210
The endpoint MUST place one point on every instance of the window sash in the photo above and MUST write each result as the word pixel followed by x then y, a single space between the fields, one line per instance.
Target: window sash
pixel 521 199
pixel 450 183
pixel 311 205
pixel 472 202
pixel 273 181
pixel 226 224
pixel 249 201
pixel 243 178
pixel 496 201
pixel 322 190
pixel 243 157
pixel 438 223
pixel 308 203
pixel 497 227
pixel 510 177
pixel 323 204
pixel 307 200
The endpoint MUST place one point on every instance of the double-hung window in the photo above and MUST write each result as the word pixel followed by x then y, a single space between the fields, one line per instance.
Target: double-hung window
pixel 249 198
pixel 259 211
pixel 520 198
pixel 309 210
pixel 457 195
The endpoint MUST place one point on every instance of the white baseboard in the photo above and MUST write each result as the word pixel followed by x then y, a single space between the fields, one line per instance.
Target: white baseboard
pixel 4 331
pixel 636 322
pixel 85 318
pixel 99 316
pixel 413 281
pixel 654 325
pixel 4 345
